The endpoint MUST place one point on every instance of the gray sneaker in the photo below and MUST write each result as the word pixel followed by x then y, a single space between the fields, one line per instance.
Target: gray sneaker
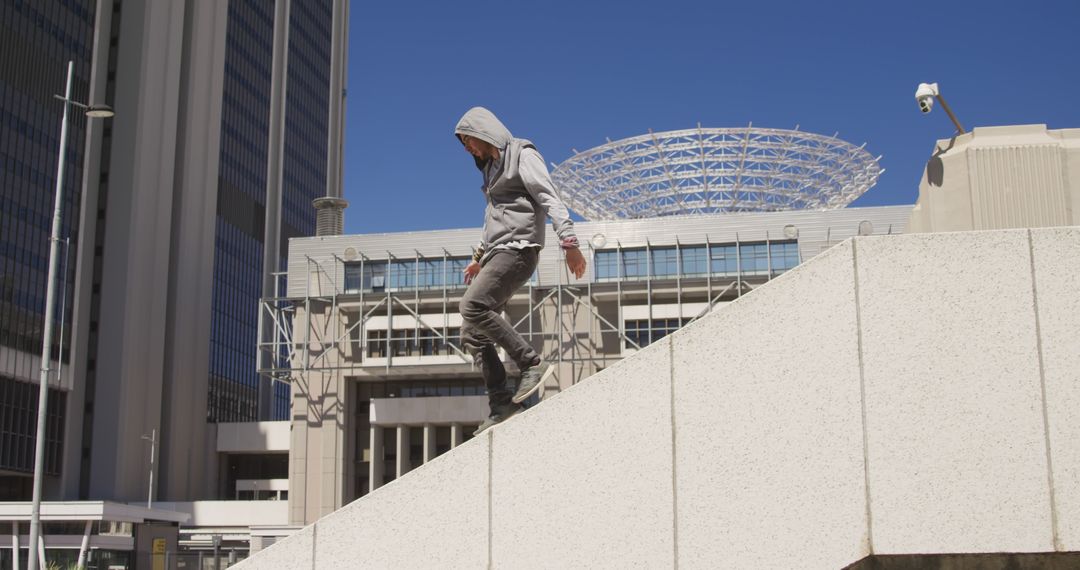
pixel 498 417
pixel 532 379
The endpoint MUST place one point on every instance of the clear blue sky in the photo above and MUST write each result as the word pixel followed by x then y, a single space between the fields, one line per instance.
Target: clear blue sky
pixel 568 74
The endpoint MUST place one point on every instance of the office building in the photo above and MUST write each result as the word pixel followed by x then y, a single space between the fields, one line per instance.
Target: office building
pixel 227 127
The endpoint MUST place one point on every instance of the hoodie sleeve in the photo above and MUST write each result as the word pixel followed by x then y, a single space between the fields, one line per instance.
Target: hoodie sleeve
pixel 538 183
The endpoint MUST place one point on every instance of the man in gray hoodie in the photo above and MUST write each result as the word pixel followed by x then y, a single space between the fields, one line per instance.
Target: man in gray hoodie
pixel 520 197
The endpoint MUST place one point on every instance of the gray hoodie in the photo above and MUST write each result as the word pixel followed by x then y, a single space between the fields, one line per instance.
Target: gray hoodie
pixel 518 188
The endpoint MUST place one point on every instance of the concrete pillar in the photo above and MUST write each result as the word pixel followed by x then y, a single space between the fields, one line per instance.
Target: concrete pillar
pixel 402 455
pixel 455 435
pixel 15 544
pixel 275 149
pixel 429 442
pixel 375 461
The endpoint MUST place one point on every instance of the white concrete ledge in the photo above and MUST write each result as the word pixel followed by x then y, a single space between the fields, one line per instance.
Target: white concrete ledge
pixel 430 410
pixel 895 395
pixel 253 437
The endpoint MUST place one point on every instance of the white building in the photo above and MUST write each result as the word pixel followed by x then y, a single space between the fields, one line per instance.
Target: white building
pixel 368 329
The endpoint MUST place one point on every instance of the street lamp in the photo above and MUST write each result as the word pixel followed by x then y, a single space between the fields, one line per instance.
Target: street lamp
pixel 152 438
pixel 925 95
pixel 93 111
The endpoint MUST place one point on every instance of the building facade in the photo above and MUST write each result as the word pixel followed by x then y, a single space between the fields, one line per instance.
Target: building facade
pixel 32 70
pixel 368 332
pixel 176 215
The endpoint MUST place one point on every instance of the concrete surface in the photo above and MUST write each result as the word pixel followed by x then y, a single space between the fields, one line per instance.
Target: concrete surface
pixel 588 471
pixel 1057 292
pixel 956 447
pixel 892 398
pixel 769 427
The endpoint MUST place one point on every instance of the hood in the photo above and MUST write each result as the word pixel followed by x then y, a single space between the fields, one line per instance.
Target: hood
pixel 483 124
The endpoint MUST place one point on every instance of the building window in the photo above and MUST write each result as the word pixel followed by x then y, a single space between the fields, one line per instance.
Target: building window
pixel 723 260
pixel 455 271
pixel 375 276
pixel 353 278
pixel 402 342
pixel 644 332
pixel 694 261
pixel 783 256
pixel 400 275
pixel 637 333
pixel 430 274
pixel 606 266
pixel 376 344
pixel 754 258
pixel 635 264
pixel 413 342
pixel 665 262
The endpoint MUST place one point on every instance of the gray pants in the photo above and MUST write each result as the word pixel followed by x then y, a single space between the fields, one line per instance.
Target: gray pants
pixel 484 330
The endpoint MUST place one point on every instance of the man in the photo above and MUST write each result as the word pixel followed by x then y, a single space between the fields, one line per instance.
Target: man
pixel 520 196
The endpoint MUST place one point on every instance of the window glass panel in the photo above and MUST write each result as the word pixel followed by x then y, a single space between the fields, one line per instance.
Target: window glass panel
pixel 665 262
pixel 375 276
pixel 637 331
pixel 402 274
pixel 353 278
pixel 431 274
pixel 723 260
pixel 784 256
pixel 607 265
pixel 376 344
pixel 694 261
pixel 754 258
pixel 454 268
pixel 635 264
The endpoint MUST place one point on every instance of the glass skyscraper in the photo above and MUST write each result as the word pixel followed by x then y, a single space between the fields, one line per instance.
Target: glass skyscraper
pixel 37 39
pixel 242 185
pixel 166 209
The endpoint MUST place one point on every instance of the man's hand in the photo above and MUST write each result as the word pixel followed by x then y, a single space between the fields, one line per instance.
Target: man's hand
pixel 470 271
pixel 575 261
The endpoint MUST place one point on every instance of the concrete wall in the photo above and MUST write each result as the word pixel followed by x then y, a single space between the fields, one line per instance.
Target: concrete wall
pixel 216 514
pixel 131 355
pixel 1020 176
pixel 156 233
pixel 895 395
pixel 253 437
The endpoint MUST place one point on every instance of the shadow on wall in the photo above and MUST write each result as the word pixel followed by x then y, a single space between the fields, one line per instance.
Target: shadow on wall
pixel 935 167
pixel 1027 561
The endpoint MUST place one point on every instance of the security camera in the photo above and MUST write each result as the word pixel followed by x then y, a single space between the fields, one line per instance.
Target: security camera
pixel 925 96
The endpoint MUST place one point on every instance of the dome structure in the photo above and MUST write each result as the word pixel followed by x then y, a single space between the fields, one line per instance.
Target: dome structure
pixel 715 170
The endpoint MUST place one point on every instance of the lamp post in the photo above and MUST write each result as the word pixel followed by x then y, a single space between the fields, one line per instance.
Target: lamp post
pixel 92 111
pixel 152 438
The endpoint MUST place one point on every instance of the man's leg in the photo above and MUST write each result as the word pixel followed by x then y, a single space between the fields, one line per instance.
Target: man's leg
pixel 501 276
pixel 486 359
pixel 484 327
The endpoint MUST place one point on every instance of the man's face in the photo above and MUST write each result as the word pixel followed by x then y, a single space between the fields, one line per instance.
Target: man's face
pixel 476 147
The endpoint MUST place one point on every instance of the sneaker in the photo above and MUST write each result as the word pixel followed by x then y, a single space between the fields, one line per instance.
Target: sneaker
pixel 497 417
pixel 532 379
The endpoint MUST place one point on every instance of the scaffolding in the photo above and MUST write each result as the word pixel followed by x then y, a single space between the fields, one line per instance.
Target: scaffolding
pixel 327 329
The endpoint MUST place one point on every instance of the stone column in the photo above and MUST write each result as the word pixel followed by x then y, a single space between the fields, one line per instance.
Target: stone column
pixel 376 461
pixel 429 442
pixel 455 435
pixel 402 455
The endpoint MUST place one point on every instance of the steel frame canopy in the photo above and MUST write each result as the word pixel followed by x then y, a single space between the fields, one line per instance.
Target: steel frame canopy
pixel 715 170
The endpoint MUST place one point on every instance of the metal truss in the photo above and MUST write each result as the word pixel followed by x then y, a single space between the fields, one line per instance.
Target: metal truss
pixel 713 170
pixel 311 333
